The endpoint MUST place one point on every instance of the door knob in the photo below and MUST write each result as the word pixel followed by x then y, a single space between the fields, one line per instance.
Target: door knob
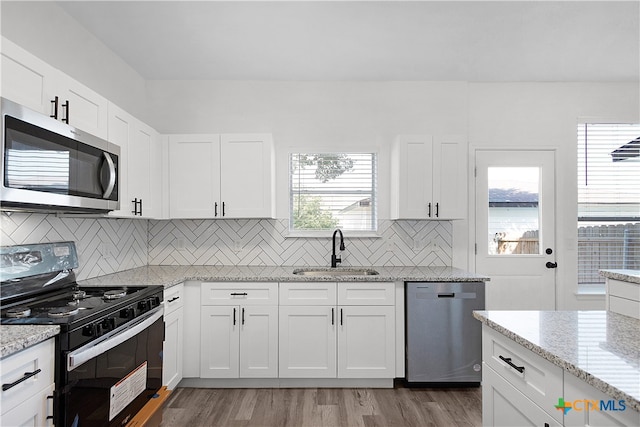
pixel 552 264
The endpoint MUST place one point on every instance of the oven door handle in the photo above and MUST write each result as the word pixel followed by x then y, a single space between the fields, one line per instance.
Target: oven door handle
pixel 91 350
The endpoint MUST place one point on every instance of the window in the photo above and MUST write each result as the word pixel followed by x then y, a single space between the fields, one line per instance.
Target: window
pixel 331 190
pixel 608 199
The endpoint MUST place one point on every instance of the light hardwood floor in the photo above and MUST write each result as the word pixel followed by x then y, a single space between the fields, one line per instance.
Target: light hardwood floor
pixel 349 407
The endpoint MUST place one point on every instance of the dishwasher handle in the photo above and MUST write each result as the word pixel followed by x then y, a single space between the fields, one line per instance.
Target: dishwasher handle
pixel 447 295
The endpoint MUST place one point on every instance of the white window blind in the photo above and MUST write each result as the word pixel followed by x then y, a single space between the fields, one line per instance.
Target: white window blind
pixel 608 199
pixel 331 190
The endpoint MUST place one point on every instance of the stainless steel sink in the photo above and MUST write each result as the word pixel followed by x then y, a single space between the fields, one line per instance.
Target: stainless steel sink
pixel 316 272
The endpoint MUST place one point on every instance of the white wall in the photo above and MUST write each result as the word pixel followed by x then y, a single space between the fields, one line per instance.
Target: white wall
pixel 47 31
pixel 533 115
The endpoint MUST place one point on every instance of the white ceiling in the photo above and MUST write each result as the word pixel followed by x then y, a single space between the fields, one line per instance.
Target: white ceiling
pixel 362 40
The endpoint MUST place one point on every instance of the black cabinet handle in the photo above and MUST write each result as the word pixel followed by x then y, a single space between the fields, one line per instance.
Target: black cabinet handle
pixel 237 294
pixel 550 264
pixel 340 317
pixel 26 376
pixel 223 208
pixel 66 107
pixel 429 213
pixel 450 295
pixel 55 108
pixel 437 210
pixel 173 299
pixel 333 319
pixel 243 315
pixel 234 316
pixel 215 209
pixel 137 206
pixel 508 361
pixel 140 207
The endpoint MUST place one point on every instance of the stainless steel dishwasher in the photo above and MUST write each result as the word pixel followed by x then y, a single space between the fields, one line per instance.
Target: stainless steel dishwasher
pixel 444 340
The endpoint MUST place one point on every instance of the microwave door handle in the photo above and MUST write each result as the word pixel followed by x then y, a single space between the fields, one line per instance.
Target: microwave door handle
pixel 91 350
pixel 108 161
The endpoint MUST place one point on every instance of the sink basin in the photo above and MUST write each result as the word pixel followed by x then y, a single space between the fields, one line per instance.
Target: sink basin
pixel 334 272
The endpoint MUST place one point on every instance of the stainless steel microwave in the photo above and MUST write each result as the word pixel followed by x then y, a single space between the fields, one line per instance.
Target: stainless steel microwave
pixel 50 166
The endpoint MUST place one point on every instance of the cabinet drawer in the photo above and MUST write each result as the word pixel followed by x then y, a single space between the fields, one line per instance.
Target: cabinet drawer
pixel 541 381
pixel 623 289
pixel 239 293
pixel 359 293
pixel 624 306
pixel 14 367
pixel 504 406
pixel 173 298
pixel 308 293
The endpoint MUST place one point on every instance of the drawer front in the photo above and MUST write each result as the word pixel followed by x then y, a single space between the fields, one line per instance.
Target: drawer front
pixel 541 381
pixel 360 293
pixel 624 306
pixel 623 289
pixel 173 298
pixel 248 293
pixel 14 367
pixel 308 293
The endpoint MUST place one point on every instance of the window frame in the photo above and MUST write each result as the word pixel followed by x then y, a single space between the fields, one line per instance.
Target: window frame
pixel 309 233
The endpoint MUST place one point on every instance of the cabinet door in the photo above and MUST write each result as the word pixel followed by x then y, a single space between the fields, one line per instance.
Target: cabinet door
pixel 142 149
pixel 246 176
pixel 412 178
pixel 194 176
pixel 172 351
pixel 26 79
pixel 259 342
pixel 449 159
pixel 366 342
pixel 86 109
pixel 37 411
pixel 219 342
pixel 307 347
pixel 503 405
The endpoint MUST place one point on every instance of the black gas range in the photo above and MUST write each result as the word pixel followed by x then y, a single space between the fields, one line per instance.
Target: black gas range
pixel 109 351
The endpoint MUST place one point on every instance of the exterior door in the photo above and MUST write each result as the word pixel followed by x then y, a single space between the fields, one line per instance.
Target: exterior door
pixel 515 228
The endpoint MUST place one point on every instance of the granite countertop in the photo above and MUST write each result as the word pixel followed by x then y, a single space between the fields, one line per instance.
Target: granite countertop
pixel 632 276
pixel 14 338
pixel 601 348
pixel 172 275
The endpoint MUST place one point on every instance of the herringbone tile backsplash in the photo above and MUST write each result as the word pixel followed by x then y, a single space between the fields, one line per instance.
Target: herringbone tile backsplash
pixel 264 242
pixel 107 245
pixel 104 245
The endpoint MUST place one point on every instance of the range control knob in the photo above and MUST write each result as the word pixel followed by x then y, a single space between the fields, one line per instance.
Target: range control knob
pixel 109 324
pixel 89 330
pixel 127 313
pixel 143 305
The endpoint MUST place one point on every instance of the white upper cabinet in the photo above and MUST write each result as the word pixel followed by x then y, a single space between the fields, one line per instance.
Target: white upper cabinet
pixel 31 82
pixel 139 163
pixel 221 176
pixel 429 177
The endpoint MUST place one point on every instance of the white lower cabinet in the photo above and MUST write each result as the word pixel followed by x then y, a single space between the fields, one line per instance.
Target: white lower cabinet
pixel 28 402
pixel 173 336
pixel 239 330
pixel 504 405
pixel 322 339
pixel 587 401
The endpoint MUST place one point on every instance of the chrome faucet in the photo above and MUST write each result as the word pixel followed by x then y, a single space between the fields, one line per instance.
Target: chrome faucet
pixel 334 259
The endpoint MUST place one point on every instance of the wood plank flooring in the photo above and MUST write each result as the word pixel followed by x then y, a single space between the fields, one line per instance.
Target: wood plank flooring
pixel 348 407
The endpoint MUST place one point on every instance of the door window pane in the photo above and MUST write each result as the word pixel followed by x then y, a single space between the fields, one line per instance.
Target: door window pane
pixel 514 211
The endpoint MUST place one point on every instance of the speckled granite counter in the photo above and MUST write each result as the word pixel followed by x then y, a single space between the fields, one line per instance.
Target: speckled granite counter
pixel 14 338
pixel 600 347
pixel 172 275
pixel 632 276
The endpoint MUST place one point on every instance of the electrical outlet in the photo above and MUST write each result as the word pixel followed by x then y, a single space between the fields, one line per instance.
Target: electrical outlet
pixel 179 244
pixel 391 246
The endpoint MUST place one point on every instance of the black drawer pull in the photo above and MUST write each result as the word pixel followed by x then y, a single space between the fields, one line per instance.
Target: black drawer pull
pixel 449 295
pixel 173 299
pixel 26 376
pixel 508 361
pixel 239 294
